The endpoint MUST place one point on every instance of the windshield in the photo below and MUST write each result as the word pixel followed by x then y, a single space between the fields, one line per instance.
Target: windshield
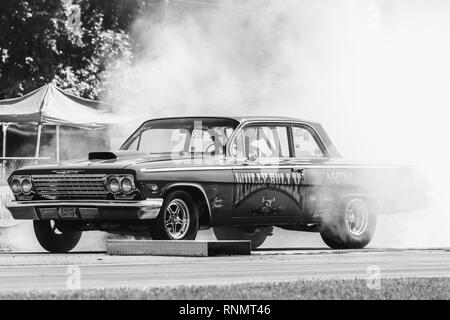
pixel 189 135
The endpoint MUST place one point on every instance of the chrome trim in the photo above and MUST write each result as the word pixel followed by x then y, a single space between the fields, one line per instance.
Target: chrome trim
pixel 70 185
pixel 184 169
pixel 86 203
pixel 269 167
pixel 67 171
pixel 83 175
pixel 180 216
pixel 356 222
pixel 145 209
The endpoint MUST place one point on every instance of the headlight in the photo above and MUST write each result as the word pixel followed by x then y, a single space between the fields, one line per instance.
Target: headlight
pixel 127 185
pixel 26 186
pixel 120 185
pixel 114 185
pixel 21 185
pixel 15 186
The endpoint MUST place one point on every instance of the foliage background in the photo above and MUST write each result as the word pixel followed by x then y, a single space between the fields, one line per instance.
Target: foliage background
pixel 43 41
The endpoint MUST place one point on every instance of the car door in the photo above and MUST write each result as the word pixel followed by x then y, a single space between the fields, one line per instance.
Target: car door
pixel 309 158
pixel 265 189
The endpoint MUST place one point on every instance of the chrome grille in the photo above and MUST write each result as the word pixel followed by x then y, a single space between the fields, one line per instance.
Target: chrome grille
pixel 70 186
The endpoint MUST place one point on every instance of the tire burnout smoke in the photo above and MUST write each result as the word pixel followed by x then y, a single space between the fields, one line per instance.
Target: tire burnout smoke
pixel 371 72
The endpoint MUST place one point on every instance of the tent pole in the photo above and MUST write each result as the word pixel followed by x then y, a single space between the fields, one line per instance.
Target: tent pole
pixel 57 144
pixel 5 130
pixel 38 142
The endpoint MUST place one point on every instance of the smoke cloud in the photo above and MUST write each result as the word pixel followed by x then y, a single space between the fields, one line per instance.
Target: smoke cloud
pixel 375 73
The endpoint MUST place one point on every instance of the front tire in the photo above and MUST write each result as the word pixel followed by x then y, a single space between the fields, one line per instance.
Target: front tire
pixel 53 237
pixel 352 226
pixel 178 218
pixel 257 236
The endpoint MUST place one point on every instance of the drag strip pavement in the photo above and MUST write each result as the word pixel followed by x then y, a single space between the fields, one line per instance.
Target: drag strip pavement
pixel 28 271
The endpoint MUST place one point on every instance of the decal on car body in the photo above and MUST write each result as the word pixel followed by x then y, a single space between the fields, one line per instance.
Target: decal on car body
pixel 248 183
pixel 339 177
pixel 268 207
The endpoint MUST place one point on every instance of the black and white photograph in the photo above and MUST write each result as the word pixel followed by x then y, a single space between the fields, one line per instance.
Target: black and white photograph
pixel 224 154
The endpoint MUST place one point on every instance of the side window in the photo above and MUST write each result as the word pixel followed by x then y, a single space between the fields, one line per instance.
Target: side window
pixel 305 145
pixel 263 142
pixel 200 140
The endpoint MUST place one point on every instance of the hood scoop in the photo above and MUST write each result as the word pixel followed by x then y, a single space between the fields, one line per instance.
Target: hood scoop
pixel 114 155
pixel 102 156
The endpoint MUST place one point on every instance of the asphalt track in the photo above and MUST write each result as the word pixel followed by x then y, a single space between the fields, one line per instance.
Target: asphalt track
pixel 28 271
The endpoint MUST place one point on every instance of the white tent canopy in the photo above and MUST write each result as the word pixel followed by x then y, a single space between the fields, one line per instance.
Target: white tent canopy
pixel 50 105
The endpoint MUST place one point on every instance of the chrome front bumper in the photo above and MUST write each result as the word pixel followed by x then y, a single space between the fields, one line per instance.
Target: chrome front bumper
pixel 86 209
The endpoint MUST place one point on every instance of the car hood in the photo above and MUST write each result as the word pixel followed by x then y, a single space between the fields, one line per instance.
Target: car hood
pixel 125 160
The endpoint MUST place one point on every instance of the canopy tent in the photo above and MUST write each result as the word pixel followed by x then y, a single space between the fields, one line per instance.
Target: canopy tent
pixel 51 106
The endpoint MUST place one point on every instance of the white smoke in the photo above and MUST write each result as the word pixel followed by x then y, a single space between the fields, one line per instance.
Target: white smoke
pixel 375 73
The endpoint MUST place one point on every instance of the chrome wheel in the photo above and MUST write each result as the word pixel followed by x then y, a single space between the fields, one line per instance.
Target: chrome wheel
pixel 356 217
pixel 176 219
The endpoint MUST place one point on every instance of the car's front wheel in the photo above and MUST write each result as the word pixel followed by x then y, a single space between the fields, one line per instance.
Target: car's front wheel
pixel 257 236
pixel 351 227
pixel 178 218
pixel 54 237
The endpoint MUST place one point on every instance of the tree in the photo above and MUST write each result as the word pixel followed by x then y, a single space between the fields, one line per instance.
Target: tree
pixel 44 41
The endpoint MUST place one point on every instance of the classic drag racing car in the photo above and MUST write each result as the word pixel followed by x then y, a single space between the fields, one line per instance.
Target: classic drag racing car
pixel 241 176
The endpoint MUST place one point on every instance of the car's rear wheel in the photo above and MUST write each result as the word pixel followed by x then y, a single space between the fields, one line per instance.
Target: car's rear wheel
pixel 351 227
pixel 54 237
pixel 257 236
pixel 178 218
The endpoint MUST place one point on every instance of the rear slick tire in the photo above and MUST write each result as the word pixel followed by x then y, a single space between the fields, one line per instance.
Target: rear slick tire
pixel 351 227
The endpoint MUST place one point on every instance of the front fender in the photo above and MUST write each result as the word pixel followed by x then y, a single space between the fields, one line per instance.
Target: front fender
pixel 201 193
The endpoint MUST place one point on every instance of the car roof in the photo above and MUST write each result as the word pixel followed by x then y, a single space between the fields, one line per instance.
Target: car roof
pixel 269 118
pixel 242 119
